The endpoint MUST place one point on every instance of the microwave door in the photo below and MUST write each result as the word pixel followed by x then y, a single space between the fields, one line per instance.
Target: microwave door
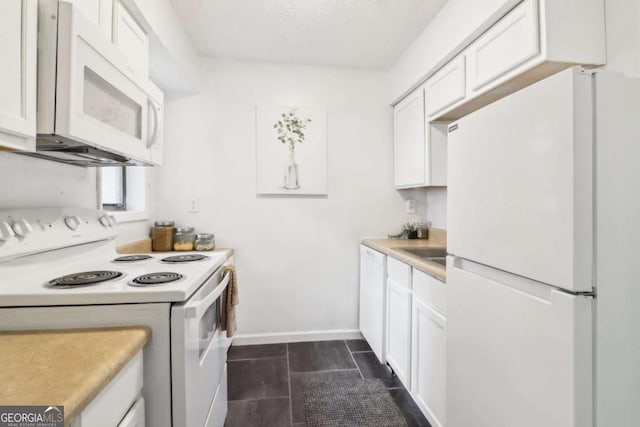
pixel 97 102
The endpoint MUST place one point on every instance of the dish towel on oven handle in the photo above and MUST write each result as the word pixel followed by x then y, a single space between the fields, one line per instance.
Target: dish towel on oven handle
pixel 229 301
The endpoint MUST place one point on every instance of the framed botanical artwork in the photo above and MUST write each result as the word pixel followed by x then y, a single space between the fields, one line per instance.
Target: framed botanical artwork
pixel 291 151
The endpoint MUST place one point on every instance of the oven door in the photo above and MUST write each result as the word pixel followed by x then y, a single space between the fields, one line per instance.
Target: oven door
pixel 99 100
pixel 198 353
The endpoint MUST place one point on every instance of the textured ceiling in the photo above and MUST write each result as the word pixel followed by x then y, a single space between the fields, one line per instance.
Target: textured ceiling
pixel 369 34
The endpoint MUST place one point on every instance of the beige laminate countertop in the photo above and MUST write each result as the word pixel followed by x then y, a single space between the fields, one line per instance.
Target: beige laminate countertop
pixel 64 367
pixel 390 248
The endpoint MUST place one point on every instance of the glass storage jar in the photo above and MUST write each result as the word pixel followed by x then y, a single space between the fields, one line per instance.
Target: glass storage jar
pixel 162 236
pixel 183 239
pixel 204 242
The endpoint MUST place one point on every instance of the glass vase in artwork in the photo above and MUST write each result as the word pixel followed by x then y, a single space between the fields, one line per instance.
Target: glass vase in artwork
pixel 291 174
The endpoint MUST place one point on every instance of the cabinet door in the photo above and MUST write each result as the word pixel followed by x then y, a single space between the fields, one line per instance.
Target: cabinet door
pixel 446 87
pixel 409 141
pixel 428 361
pixel 131 39
pixel 18 41
pixel 99 12
pixel 506 45
pixel 399 330
pixel 372 286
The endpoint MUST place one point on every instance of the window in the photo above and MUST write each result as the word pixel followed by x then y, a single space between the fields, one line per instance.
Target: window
pixel 123 191
pixel 114 188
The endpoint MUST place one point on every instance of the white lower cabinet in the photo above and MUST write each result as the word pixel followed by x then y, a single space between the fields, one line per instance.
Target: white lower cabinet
pixel 428 361
pixel 398 348
pixel 119 404
pixel 428 347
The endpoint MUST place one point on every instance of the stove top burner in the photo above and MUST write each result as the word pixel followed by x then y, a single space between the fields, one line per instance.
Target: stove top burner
pixel 184 258
pixel 155 279
pixel 132 258
pixel 86 278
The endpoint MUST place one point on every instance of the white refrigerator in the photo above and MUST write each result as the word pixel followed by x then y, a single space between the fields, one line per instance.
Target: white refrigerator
pixel 543 280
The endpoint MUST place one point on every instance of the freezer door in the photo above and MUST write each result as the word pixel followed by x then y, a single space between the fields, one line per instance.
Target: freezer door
pixel 520 183
pixel 518 352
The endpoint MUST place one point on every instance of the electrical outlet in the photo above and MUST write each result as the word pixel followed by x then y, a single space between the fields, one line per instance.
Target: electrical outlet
pixel 194 205
pixel 410 206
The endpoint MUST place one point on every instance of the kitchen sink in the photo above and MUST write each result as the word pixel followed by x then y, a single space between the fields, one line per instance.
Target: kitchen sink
pixel 433 255
pixel 425 252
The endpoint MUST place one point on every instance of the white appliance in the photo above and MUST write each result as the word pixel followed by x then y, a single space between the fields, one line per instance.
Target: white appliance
pixel 373 273
pixel 46 255
pixel 543 211
pixel 93 109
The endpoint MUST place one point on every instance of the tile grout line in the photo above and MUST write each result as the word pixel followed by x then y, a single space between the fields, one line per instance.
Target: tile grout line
pixel 289 383
pixel 325 370
pixel 354 359
pixel 256 358
pixel 258 398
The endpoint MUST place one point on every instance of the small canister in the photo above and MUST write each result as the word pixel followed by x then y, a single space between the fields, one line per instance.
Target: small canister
pixel 183 239
pixel 204 242
pixel 423 230
pixel 162 236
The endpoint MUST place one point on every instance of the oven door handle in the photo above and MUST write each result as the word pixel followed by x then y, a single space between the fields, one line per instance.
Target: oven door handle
pixel 197 309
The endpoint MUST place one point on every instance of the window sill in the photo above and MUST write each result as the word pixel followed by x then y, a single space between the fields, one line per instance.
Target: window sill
pixel 130 216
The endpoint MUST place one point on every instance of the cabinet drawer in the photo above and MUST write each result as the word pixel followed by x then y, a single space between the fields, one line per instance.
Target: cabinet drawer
pixel 508 44
pixel 135 416
pixel 446 87
pixel 399 272
pixel 431 290
pixel 372 254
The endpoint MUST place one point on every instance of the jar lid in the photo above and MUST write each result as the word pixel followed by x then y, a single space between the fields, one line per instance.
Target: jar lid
pixel 164 223
pixel 184 230
pixel 204 236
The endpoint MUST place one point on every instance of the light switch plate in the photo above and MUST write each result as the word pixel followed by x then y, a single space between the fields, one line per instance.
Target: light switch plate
pixel 410 206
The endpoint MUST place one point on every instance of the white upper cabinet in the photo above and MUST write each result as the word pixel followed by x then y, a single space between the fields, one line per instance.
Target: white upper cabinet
pixel 409 137
pixel 99 12
pixel 446 87
pixel 536 39
pixel 509 43
pixel 18 41
pixel 420 147
pixel 130 38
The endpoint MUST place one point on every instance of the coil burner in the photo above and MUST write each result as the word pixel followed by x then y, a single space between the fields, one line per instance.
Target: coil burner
pixel 132 258
pixel 86 278
pixel 153 279
pixel 176 259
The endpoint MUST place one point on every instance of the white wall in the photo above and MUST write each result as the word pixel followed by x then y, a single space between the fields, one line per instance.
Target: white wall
pixel 297 257
pixel 26 182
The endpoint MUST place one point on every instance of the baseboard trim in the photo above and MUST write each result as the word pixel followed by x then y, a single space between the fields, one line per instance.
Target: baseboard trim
pixel 284 337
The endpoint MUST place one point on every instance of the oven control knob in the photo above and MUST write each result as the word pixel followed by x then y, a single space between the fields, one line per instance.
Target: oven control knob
pixel 22 227
pixel 112 220
pixel 72 222
pixel 6 232
pixel 105 221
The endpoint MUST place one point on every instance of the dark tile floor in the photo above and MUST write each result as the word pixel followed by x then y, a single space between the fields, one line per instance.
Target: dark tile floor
pixel 265 381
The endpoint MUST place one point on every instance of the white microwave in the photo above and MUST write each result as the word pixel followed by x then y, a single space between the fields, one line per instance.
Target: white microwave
pixel 93 109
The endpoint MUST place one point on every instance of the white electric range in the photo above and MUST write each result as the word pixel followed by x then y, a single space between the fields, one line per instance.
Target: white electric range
pixel 59 269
